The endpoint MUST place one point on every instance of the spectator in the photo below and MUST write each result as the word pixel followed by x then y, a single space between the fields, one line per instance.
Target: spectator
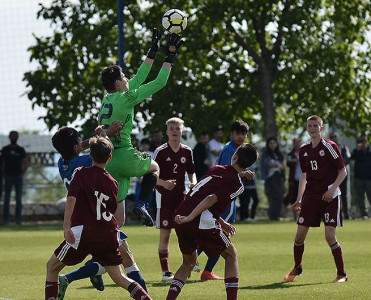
pixel 345 154
pixel 216 145
pixel 272 166
pixel 200 155
pixel 1 175
pixel 362 174
pixel 250 193
pixel 15 165
pixel 294 174
pixel 157 140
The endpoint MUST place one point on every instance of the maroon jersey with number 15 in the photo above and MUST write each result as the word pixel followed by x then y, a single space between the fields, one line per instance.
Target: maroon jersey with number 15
pixel 321 165
pixel 96 199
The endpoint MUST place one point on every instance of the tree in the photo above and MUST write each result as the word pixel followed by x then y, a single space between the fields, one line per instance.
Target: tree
pixel 271 63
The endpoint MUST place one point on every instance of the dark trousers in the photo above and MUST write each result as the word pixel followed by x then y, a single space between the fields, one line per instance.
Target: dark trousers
pixel 9 181
pixel 274 191
pixel 245 198
pixel 362 187
pixel 344 198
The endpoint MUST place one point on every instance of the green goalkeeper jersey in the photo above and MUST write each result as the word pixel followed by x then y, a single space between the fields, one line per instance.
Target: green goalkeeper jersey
pixel 119 106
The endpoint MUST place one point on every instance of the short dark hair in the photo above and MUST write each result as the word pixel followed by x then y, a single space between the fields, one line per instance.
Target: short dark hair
pixel 145 141
pixel 240 126
pixel 64 140
pixel 109 75
pixel 218 128
pixel 247 155
pixel 100 149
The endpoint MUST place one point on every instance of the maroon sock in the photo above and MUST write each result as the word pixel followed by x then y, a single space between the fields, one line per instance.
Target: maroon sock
pixel 298 253
pixel 164 260
pixel 174 289
pixel 338 258
pixel 231 286
pixel 137 292
pixel 51 290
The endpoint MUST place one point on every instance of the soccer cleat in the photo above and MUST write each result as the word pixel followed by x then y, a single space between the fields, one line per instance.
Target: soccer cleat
pixel 196 268
pixel 63 284
pixel 167 276
pixel 293 273
pixel 145 216
pixel 340 278
pixel 206 275
pixel 96 280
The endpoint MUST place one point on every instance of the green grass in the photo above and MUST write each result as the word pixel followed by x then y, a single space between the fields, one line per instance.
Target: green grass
pixel 264 251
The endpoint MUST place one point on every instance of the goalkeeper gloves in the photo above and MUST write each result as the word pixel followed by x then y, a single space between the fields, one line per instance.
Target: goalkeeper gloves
pixel 156 36
pixel 173 42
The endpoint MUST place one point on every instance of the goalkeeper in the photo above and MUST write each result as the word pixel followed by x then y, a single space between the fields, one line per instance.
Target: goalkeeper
pixel 118 104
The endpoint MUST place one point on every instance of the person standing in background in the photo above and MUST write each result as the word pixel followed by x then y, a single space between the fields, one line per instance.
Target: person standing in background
pixel 216 145
pixel 362 174
pixel 15 165
pixel 200 155
pixel 272 165
pixel 345 154
pixel 294 174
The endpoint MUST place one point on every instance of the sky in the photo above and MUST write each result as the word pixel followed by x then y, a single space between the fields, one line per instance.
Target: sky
pixel 18 22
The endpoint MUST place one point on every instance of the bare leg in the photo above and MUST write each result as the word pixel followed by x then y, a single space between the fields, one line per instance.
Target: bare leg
pixel 53 267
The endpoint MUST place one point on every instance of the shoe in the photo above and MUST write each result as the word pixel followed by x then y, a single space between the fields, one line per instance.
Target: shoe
pixel 293 273
pixel 96 280
pixel 145 216
pixel 340 278
pixel 206 275
pixel 196 268
pixel 167 276
pixel 63 284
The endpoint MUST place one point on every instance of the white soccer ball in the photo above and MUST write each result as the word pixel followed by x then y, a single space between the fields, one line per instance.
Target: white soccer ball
pixel 174 21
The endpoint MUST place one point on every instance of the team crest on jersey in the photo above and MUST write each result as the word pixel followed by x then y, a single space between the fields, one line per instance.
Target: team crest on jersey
pixel 301 220
pixel 182 159
pixel 165 222
pixel 322 152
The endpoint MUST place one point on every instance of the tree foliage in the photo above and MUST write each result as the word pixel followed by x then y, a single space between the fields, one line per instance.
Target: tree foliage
pixel 271 63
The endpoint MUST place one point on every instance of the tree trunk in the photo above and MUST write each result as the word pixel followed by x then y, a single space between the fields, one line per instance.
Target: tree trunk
pixel 266 94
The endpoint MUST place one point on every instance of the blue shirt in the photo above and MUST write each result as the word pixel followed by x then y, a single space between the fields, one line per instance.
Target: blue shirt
pixel 66 168
pixel 227 153
pixel 225 159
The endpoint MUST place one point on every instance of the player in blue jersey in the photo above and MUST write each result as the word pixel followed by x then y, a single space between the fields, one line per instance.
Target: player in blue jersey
pixel 239 130
pixel 68 143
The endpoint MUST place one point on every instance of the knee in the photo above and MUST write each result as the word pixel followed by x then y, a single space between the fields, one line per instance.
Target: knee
pixel 51 265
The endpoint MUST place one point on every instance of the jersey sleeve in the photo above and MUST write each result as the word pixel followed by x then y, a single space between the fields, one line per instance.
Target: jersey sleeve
pixel 137 95
pixel 336 156
pixel 225 156
pixel 191 165
pixel 140 77
pixel 74 187
pixel 302 161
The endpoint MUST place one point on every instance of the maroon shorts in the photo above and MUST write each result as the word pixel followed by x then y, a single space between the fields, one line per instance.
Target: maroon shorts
pixel 166 207
pixel 314 209
pixel 105 250
pixel 212 241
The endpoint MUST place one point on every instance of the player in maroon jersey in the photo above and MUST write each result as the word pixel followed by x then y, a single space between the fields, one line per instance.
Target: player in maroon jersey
pixel 319 195
pixel 175 160
pixel 89 224
pixel 198 221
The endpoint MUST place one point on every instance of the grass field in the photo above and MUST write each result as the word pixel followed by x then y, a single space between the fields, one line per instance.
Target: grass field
pixel 264 250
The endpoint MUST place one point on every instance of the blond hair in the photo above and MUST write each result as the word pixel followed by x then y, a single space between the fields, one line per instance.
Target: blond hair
pixel 316 118
pixel 175 120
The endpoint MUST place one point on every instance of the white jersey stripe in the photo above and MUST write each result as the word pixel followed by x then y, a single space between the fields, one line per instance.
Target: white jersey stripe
pixel 63 252
pixel 235 194
pixel 331 149
pixel 158 149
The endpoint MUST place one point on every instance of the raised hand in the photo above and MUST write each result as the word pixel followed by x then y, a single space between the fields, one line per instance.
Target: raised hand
pixel 173 43
pixel 156 36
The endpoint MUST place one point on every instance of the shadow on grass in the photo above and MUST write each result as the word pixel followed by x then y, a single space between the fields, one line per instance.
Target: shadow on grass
pixel 278 285
pixel 162 284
